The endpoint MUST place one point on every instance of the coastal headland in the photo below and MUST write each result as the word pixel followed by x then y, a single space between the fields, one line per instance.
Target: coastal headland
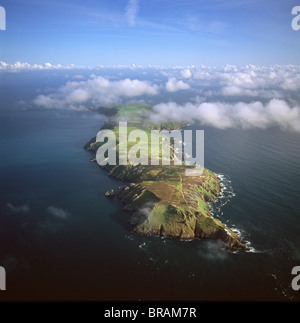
pixel 161 199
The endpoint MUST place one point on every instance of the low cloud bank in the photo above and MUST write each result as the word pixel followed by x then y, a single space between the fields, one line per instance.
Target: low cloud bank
pixel 226 94
pixel 227 115
pixel 173 85
pixel 97 91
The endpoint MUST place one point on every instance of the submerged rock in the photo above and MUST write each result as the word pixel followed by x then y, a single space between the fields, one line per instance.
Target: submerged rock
pixel 110 194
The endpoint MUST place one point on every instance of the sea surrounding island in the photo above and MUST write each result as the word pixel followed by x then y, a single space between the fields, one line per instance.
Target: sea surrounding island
pixel 161 199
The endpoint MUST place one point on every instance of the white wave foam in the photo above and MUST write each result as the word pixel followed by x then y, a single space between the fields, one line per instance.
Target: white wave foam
pixel 226 195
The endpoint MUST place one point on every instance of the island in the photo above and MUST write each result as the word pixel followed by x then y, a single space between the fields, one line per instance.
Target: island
pixel 161 199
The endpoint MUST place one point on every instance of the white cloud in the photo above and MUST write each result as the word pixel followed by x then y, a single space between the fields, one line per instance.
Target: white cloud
pixel 20 66
pixel 78 77
pixel 131 11
pixel 173 85
pixel 213 251
pixel 18 209
pixel 237 91
pixel 227 115
pixel 268 95
pixel 54 222
pixel 47 102
pixel 249 81
pixel 186 73
pixel 78 96
pixel 58 213
pixel 97 91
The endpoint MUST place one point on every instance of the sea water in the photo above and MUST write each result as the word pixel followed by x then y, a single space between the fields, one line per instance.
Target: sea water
pixel 61 239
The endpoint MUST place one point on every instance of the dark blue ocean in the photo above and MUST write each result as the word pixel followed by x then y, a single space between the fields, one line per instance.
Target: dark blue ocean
pixel 61 239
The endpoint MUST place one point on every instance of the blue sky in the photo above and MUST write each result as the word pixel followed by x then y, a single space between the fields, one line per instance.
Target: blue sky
pixel 156 32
